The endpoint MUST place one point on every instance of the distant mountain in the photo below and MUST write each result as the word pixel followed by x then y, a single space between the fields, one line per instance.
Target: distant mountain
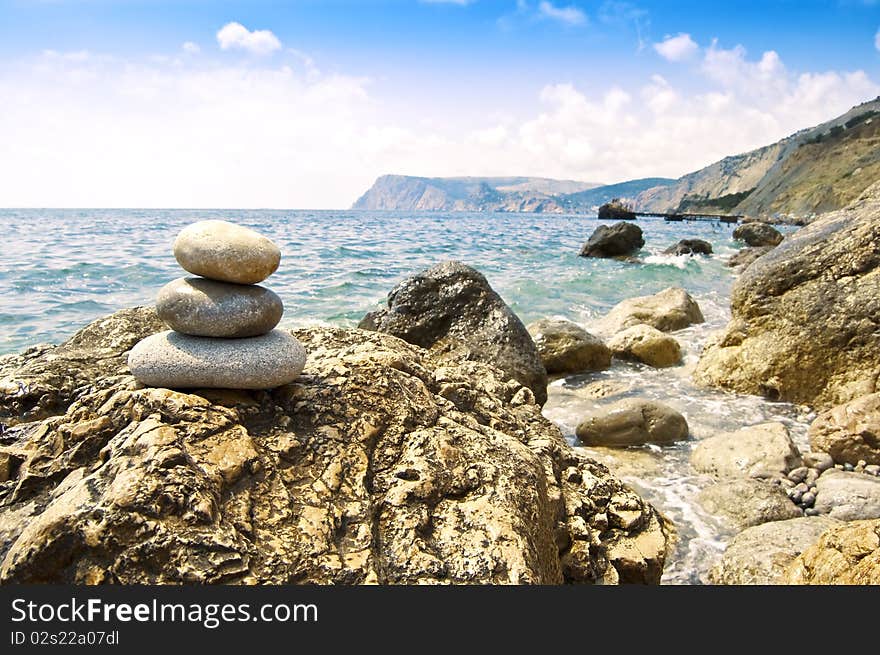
pixel 812 171
pixel 502 194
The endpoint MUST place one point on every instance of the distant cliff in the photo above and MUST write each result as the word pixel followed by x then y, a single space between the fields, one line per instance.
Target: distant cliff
pixel 502 194
pixel 812 171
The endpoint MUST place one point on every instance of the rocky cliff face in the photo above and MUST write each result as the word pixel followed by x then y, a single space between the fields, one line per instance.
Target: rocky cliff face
pixel 815 170
pixel 381 464
pixel 805 315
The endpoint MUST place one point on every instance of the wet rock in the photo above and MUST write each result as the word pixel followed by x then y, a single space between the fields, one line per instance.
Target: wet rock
pixel 744 258
pixel 565 347
pixel 614 241
pixel 846 554
pixel 850 432
pixel 848 496
pixel 207 308
pixel 761 554
pixel 804 326
pixel 384 463
pixel 758 451
pixel 227 252
pixel 690 247
pixel 450 308
pixel 758 234
pixel 643 343
pixel 669 310
pixel 631 423
pixel 747 502
pixel 178 361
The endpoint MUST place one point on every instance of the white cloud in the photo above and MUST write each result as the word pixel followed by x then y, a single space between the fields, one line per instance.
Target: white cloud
pixel 570 15
pixel 197 133
pixel 191 48
pixel 677 48
pixel 258 42
pixel 877 39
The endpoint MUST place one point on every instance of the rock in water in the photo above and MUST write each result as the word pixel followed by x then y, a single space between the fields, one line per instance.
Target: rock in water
pixel 744 258
pixel 758 451
pixel 633 423
pixel 613 241
pixel 804 325
pixel 690 247
pixel 226 252
pixel 390 465
pixel 747 502
pixel 566 347
pixel 179 361
pixel 758 234
pixel 848 496
pixel 451 308
pixel 646 344
pixel 669 310
pixel 206 308
pixel 847 554
pixel 761 554
pixel 849 432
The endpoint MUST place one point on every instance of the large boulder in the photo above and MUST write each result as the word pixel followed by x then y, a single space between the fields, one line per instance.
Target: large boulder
pixel 761 554
pixel 566 347
pixel 669 310
pixel 646 344
pixel 615 240
pixel 844 555
pixel 633 422
pixel 450 308
pixel 384 463
pixel 804 325
pixel 42 380
pixel 747 502
pixel 849 432
pixel 745 257
pixel 848 496
pixel 690 247
pixel 759 451
pixel 758 234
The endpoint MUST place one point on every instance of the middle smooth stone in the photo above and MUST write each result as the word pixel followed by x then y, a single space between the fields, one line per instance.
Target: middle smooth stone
pixel 207 308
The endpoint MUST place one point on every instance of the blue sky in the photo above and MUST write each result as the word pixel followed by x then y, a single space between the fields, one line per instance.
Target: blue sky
pixel 304 103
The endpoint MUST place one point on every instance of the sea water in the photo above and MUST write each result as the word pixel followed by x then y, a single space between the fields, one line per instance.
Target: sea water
pixel 60 269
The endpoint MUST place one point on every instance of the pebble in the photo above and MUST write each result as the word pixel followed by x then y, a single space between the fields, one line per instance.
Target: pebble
pixel 872 469
pixel 207 308
pixel 811 511
pixel 848 467
pixel 798 474
pixel 819 461
pixel 223 251
pixel 808 499
pixel 801 487
pixel 179 361
pixel 812 476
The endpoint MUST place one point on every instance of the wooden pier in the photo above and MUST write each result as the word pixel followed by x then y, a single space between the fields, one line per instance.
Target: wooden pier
pixel 724 218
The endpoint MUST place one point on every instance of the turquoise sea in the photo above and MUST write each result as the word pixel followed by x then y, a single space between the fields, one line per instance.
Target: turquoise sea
pixel 60 269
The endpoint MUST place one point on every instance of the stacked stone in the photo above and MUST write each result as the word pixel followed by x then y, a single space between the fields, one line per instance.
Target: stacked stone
pixel 223 323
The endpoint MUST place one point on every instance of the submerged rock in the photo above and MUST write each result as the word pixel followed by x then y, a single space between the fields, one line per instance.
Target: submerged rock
pixel 747 502
pixel 844 555
pixel 850 432
pixel 646 344
pixel 744 258
pixel 207 308
pixel 614 241
pixel 690 247
pixel 633 422
pixel 385 463
pixel 759 451
pixel 669 310
pixel 848 496
pixel 227 252
pixel 804 325
pixel 566 347
pixel 178 361
pixel 760 555
pixel 450 308
pixel 758 234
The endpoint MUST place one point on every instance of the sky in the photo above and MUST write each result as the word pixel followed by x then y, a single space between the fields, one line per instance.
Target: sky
pixel 302 104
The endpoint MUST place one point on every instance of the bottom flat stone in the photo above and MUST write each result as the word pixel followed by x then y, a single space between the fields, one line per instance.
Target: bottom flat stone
pixel 179 361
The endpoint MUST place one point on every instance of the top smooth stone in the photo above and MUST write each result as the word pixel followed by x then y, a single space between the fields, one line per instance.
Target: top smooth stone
pixel 223 251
